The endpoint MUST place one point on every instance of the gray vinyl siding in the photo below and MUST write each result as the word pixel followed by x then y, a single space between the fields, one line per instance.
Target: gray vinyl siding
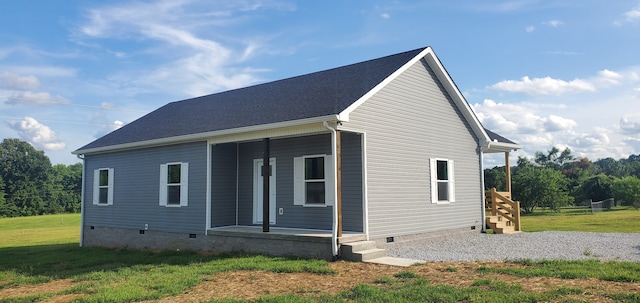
pixel 407 123
pixel 137 185
pixel 223 184
pixel 352 202
pixel 295 216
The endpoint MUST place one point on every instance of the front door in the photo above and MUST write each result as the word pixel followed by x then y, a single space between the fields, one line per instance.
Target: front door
pixel 258 191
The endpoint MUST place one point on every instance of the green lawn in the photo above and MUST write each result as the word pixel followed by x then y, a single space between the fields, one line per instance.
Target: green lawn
pixel 42 249
pixel 50 229
pixel 618 219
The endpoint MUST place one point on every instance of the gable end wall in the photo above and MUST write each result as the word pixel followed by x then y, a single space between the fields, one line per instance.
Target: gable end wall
pixel 408 122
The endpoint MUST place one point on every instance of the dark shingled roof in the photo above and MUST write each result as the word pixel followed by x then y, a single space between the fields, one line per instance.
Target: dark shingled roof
pixel 317 94
pixel 495 137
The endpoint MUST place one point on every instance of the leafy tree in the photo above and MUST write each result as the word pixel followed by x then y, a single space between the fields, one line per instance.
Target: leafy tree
pixel 537 187
pixel 66 187
pixel 611 167
pixel 554 158
pixel 596 188
pixel 495 177
pixel 25 172
pixel 627 189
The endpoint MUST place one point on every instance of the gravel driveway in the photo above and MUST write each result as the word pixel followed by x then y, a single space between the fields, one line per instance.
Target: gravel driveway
pixel 533 245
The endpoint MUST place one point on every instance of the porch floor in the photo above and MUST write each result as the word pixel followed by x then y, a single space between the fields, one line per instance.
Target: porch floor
pixel 281 233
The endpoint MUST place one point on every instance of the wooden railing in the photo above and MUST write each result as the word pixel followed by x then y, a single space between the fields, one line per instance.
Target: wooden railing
pixel 500 204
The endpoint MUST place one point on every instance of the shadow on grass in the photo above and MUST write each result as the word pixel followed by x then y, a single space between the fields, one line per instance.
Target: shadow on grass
pixel 68 260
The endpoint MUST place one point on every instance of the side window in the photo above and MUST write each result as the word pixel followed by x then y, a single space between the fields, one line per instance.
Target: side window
pixel 313 180
pixel 442 181
pixel 174 185
pixel 103 186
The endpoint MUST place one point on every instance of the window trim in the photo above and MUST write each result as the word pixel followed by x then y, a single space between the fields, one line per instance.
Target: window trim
pixel 97 186
pixel 451 196
pixel 164 184
pixel 300 181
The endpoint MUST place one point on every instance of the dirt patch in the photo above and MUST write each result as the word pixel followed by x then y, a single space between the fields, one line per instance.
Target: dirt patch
pixel 44 288
pixel 251 285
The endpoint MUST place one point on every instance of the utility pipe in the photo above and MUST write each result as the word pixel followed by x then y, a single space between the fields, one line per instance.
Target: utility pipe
pixel 81 157
pixel 334 228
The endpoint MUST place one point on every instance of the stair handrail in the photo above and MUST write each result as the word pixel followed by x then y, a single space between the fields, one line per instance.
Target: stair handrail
pixel 512 211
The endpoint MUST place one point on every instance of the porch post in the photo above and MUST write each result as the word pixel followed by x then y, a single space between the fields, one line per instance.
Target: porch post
pixel 266 165
pixel 339 182
pixel 507 170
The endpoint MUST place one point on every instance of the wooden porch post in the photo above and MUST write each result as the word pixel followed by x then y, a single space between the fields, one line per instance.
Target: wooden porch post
pixel 266 169
pixel 339 182
pixel 507 169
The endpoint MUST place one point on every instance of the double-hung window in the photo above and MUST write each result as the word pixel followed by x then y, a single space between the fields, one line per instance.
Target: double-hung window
pixel 313 180
pixel 174 185
pixel 442 181
pixel 103 186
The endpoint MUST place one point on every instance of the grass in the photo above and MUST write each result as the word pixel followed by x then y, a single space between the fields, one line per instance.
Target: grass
pixel 574 269
pixel 44 249
pixel 618 219
pixel 39 230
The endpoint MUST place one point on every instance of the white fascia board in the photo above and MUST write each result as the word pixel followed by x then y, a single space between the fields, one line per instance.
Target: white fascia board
pixel 430 57
pixel 206 135
pixel 500 147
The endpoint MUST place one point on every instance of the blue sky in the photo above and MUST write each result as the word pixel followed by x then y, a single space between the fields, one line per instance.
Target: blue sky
pixel 562 73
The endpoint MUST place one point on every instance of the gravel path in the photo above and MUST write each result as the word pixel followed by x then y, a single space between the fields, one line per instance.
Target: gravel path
pixel 534 245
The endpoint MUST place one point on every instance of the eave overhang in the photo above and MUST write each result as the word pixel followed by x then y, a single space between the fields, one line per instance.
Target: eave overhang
pixel 226 135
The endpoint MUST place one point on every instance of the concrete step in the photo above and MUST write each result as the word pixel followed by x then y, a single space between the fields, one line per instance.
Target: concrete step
pixel 361 251
pixel 369 254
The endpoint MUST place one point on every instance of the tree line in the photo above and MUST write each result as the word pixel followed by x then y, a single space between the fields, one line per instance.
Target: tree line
pixel 30 185
pixel 556 178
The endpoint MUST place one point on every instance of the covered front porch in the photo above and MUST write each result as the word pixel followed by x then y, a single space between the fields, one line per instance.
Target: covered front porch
pixel 237 213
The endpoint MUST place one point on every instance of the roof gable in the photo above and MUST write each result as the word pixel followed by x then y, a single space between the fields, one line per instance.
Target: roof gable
pixel 318 94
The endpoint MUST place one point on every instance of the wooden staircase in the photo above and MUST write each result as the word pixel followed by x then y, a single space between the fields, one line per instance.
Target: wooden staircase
pixel 502 214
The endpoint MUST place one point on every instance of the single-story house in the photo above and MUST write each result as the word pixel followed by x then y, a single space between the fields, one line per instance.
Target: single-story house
pixel 382 150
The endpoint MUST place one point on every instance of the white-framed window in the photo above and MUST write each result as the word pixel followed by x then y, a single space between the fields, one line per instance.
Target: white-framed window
pixel 174 184
pixel 313 180
pixel 103 186
pixel 442 181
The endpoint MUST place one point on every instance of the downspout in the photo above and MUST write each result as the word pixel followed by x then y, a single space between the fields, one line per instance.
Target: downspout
pixel 483 211
pixel 334 227
pixel 81 157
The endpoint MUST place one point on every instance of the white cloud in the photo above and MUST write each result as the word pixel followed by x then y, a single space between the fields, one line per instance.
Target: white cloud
pixel 551 86
pixel 13 81
pixel 553 23
pixel 41 98
pixel 199 61
pixel 385 15
pixel 630 124
pixel 39 135
pixel 590 140
pixel 530 29
pixel 543 86
pixel 633 14
pixel 520 118
pixel 109 128
pixel 556 123
pixel 610 77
